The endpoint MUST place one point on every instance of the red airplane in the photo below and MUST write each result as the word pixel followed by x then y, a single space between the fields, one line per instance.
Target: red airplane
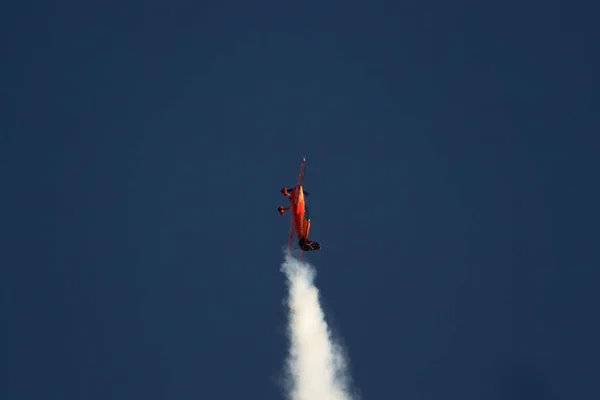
pixel 300 216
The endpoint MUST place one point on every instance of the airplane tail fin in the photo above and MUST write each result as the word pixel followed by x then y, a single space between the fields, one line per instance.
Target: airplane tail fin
pixel 308 245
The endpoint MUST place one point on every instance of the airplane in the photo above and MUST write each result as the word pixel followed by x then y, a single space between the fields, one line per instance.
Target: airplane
pixel 300 215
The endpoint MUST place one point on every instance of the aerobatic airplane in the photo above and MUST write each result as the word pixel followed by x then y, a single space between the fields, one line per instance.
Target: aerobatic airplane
pixel 300 216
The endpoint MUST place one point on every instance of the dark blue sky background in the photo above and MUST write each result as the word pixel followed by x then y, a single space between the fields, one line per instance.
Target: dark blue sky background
pixel 452 160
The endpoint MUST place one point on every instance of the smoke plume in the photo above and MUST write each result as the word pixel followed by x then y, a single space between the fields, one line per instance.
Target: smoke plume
pixel 316 365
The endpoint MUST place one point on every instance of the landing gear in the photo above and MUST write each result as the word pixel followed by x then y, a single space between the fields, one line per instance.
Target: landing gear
pixel 285 192
pixel 281 209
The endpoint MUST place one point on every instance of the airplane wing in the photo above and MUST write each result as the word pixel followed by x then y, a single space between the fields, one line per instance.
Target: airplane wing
pixel 301 174
pixel 291 233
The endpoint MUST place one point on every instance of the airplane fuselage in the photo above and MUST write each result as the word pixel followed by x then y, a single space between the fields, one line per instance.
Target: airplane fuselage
pixel 298 209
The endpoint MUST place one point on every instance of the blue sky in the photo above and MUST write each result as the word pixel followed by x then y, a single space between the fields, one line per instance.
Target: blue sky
pixel 452 158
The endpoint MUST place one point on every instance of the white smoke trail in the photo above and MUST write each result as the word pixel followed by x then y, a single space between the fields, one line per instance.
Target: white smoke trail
pixel 316 365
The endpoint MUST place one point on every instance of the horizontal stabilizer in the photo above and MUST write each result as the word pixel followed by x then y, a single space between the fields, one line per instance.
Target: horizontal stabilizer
pixel 308 245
